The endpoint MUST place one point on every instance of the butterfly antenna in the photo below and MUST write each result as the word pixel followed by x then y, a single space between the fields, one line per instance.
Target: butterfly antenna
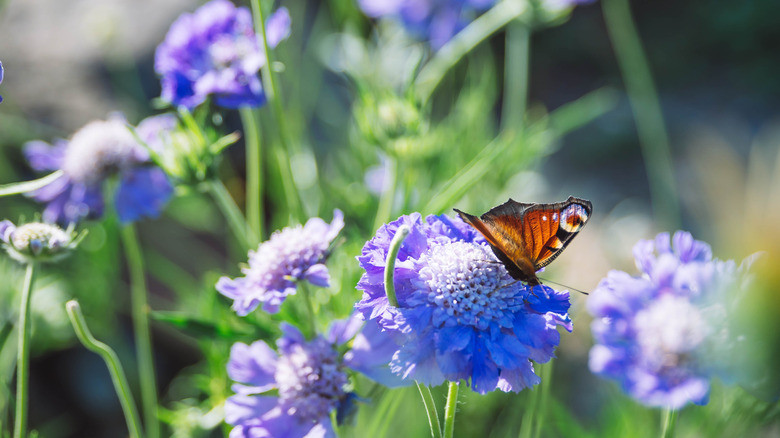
pixel 563 285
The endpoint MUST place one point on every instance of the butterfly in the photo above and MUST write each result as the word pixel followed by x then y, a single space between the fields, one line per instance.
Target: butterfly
pixel 527 237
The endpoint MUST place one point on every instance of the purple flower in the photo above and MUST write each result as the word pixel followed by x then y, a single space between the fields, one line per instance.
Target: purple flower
pixel 36 241
pixel 460 314
pixel 1 78
pixel 309 377
pixel 290 255
pixel 434 20
pixel 215 52
pixel 98 151
pixel 664 335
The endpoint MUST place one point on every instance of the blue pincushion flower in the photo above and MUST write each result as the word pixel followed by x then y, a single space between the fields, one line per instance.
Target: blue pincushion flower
pixel 215 52
pixel 98 151
pixel 436 21
pixel 664 335
pixel 460 314
pixel 289 256
pixel 37 241
pixel 308 376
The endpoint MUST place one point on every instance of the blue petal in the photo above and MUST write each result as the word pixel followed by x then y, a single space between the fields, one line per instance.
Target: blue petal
pixel 253 365
pixel 277 27
pixel 241 408
pixel 142 192
pixel 318 275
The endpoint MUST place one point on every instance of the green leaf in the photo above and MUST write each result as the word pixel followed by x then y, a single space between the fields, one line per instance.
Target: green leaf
pixel 199 327
pixel 28 186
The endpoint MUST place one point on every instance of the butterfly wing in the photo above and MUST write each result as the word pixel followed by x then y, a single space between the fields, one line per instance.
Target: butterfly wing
pixel 503 230
pixel 527 237
pixel 550 228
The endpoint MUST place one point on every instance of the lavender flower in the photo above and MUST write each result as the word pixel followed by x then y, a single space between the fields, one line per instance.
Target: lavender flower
pixel 289 256
pixel 36 241
pixel 310 377
pixel 460 314
pixel 215 52
pixel 1 78
pixel 664 335
pixel 436 21
pixel 97 151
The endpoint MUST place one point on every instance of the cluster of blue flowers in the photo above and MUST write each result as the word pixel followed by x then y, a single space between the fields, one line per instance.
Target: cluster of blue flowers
pixel 664 335
pixel 214 52
pixel 459 317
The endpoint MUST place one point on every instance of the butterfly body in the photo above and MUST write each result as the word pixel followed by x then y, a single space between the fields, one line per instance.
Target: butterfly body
pixel 527 237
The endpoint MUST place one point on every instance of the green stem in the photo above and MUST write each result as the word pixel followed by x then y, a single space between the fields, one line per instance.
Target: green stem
pixel 463 42
pixel 254 178
pixel 449 410
pixel 392 253
pixel 538 396
pixel 385 207
pixel 516 60
pixel 23 354
pixel 230 210
pixel 645 104
pixel 272 93
pixel 430 409
pixel 544 395
pixel 112 362
pixel 670 420
pixel 143 341
pixel 312 329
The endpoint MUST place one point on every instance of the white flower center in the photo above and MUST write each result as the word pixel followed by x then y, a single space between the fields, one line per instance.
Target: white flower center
pixel 464 281
pixel 670 331
pixel 100 148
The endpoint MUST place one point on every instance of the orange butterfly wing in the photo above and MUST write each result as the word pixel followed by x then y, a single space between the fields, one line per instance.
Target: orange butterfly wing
pixel 527 237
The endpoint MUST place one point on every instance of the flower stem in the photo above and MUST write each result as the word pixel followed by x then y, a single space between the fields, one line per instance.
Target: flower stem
pixel 465 40
pixel 143 341
pixel 392 253
pixel 112 362
pixel 231 211
pixel 430 408
pixel 544 395
pixel 385 207
pixel 271 89
pixel 449 410
pixel 312 329
pixel 670 419
pixel 23 354
pixel 254 179
pixel 516 58
pixel 533 416
pixel 643 96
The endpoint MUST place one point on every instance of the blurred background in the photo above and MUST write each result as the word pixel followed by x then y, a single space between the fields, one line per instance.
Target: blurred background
pixel 716 69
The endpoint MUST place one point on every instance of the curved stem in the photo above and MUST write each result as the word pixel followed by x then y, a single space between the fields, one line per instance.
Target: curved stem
pixel 645 104
pixel 143 341
pixel 670 420
pixel 114 367
pixel 430 408
pixel 392 253
pixel 23 354
pixel 230 210
pixel 449 410
pixel 254 177
pixel 462 43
